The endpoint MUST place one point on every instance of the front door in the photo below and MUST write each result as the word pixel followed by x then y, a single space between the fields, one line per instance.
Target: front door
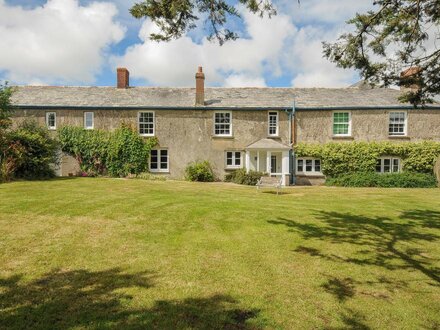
pixel 273 164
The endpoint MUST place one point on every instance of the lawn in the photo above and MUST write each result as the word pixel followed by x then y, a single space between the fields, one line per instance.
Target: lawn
pixel 86 253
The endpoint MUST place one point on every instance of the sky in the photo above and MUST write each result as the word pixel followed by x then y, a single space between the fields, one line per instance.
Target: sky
pixel 82 42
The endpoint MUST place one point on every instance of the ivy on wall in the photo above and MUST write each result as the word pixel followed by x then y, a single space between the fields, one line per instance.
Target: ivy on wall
pixel 343 158
pixel 117 153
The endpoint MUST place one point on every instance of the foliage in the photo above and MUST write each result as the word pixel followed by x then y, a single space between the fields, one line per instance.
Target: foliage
pixel 128 152
pixel 88 147
pixel 342 158
pixel 199 171
pixel 242 177
pixel 148 176
pixel 6 109
pixel 98 152
pixel 388 180
pixel 176 17
pixel 38 151
pixel 395 36
pixel 437 170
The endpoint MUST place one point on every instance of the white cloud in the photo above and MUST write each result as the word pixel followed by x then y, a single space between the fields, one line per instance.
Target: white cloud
pixel 306 59
pixel 61 41
pixel 175 62
pixel 242 80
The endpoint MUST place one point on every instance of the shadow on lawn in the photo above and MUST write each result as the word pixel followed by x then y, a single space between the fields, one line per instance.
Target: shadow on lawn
pixel 379 240
pixel 81 298
pixel 378 237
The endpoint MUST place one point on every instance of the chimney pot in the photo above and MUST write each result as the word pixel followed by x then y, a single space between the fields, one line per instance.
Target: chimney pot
pixel 410 79
pixel 123 78
pixel 200 87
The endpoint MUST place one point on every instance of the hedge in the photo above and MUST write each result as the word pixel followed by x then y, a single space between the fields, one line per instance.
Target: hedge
pixel 242 177
pixel 384 180
pixel 199 171
pixel 352 157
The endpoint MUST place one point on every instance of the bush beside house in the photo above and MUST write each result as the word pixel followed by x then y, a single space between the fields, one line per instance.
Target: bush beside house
pixel 199 171
pixel 241 177
pixel 26 151
pixel 119 153
pixel 353 164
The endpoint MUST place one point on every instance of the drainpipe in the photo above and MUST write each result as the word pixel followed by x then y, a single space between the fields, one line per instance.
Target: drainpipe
pixel 291 113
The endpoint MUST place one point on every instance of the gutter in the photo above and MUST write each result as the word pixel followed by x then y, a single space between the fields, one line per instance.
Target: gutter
pixel 291 113
pixel 204 108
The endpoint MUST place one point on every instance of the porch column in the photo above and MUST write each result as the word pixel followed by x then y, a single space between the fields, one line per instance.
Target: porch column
pixel 285 167
pixel 268 157
pixel 247 163
pixel 258 161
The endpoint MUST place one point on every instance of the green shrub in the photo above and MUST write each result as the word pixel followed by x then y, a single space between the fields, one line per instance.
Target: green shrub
pixel 199 171
pixel 342 158
pixel 118 153
pixel 242 177
pixel 39 151
pixel 128 152
pixel 385 180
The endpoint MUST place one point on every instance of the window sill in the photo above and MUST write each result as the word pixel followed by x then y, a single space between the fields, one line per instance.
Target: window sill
pixel 160 172
pixel 222 136
pixel 147 135
pixel 233 168
pixel 273 136
pixel 313 175
pixel 342 137
pixel 399 137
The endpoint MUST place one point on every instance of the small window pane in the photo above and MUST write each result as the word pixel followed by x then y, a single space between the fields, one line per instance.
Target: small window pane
pixel 379 165
pixel 309 165
pixel 317 165
pixel 300 166
pixel 396 166
pixel 387 165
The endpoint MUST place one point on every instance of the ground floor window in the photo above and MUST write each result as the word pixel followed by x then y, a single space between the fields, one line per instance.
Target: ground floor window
pixel 233 159
pixel 308 166
pixel 388 165
pixel 159 160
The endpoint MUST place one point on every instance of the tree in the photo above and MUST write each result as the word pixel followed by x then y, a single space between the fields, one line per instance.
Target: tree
pixel 396 36
pixel 176 17
pixel 5 106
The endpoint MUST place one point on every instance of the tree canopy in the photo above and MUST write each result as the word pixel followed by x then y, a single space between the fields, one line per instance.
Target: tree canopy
pixel 176 17
pixel 396 36
pixel 5 106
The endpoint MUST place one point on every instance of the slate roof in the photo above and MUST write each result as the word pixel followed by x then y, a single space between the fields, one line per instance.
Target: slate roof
pixel 268 144
pixel 40 96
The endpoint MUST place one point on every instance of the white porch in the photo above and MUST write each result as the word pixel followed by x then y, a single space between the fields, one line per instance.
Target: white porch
pixel 269 156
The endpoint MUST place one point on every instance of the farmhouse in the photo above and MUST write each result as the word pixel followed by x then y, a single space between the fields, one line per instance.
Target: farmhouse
pixel 251 128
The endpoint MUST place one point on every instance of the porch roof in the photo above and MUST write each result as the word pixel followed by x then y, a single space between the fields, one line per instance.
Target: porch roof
pixel 268 144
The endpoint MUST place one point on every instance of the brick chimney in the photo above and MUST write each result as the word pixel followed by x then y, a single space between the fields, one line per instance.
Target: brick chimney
pixel 123 78
pixel 200 87
pixel 410 79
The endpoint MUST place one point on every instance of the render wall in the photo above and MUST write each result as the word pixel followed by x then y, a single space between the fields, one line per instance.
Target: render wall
pixel 187 134
pixel 314 126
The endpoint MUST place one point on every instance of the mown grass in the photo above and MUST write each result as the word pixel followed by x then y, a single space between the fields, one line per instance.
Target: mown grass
pixel 109 253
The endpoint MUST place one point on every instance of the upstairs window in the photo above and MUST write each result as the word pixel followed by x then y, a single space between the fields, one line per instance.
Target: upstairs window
pixel 51 120
pixel 89 120
pixel 273 123
pixel 388 165
pixel 341 123
pixel 223 123
pixel 397 124
pixel 159 160
pixel 233 159
pixel 308 166
pixel 146 123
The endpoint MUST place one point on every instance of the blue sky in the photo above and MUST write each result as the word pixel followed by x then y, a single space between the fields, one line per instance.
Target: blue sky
pixel 70 42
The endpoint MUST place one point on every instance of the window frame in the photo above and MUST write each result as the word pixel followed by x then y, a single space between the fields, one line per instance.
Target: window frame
pixel 85 119
pixel 277 128
pixel 139 123
pixel 349 123
pixel 391 159
pixel 159 156
pixel 233 166
pixel 230 123
pixel 52 128
pixel 405 123
pixel 304 171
